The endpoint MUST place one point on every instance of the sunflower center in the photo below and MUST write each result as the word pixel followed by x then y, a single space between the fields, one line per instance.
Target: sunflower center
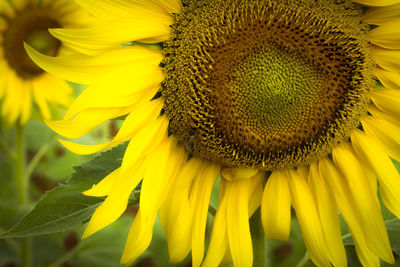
pixel 30 26
pixel 267 84
pixel 268 95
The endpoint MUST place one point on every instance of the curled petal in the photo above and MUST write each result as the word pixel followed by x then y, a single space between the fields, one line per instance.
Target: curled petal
pixel 104 35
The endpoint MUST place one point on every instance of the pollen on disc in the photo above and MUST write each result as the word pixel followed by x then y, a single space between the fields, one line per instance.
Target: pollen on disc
pixel 267 84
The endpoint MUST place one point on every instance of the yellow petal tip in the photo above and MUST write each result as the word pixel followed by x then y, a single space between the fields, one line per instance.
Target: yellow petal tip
pixel 86 234
pixel 88 192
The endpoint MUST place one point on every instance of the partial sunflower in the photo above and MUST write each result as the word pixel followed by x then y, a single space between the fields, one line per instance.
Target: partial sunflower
pixel 20 79
pixel 284 92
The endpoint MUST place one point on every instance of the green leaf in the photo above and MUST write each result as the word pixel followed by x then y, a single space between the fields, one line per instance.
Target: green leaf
pixel 66 207
pixel 393 228
pixel 352 258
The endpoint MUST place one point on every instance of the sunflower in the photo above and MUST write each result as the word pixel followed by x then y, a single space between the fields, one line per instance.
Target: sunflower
pixel 20 79
pixel 292 103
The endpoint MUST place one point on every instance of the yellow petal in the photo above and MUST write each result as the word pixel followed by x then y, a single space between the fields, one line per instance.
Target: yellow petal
pixel 116 202
pixel 377 113
pixel 172 6
pixel 237 216
pixel 377 2
pixel 328 213
pixel 141 231
pixel 387 59
pixel 142 85
pixel 139 238
pixel 386 35
pixel 199 201
pixel 85 121
pixel 256 193
pixel 349 210
pixel 385 132
pixel 145 142
pixel 15 98
pixel 85 69
pixel 382 15
pixel 175 213
pixel 141 114
pixel 104 35
pixel 41 102
pixel 142 118
pixel 365 255
pixel 366 201
pixel 161 168
pixel 219 239
pixel 104 187
pixel 387 100
pixel 389 79
pixel 3 26
pixel 69 14
pixel 389 178
pixel 7 9
pixel 114 9
pixel 308 217
pixel 45 84
pixel 275 207
pixel 238 173
pixel 3 77
pixel 19 4
pixel 136 151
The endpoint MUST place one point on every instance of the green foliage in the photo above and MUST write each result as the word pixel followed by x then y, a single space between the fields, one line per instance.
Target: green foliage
pixel 56 163
pixel 8 199
pixel 105 248
pixel 287 254
pixel 66 207
pixel 393 228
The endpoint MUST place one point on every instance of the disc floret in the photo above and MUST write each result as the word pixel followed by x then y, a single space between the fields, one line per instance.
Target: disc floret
pixel 266 84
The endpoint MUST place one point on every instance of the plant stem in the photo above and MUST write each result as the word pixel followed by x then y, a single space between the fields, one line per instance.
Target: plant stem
pixel 258 238
pixel 19 166
pixel 3 143
pixel 36 159
pixel 26 252
pixel 11 243
pixel 22 190
pixel 304 260
pixel 70 254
